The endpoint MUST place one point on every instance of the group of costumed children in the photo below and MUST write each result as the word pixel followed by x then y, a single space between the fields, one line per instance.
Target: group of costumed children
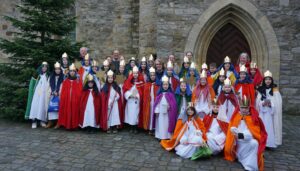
pixel 231 109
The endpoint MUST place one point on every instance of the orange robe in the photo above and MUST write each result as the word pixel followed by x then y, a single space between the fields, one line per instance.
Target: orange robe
pixel 179 132
pixel 146 103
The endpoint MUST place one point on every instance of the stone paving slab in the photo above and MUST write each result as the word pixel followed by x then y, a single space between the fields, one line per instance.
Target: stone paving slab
pixel 23 148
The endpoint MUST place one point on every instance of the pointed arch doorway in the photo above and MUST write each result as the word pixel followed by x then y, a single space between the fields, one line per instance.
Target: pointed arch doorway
pixel 253 24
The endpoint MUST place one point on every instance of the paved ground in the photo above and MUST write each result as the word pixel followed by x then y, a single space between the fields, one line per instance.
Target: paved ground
pixel 22 148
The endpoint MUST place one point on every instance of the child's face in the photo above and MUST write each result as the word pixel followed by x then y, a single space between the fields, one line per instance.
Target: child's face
pixel 169 72
pixel 91 84
pixel 183 87
pixel 143 65
pixel 135 75
pixel 106 67
pixel 226 66
pixel 227 89
pixel 158 65
pixel 132 64
pixel 186 65
pixel 110 79
pixel 152 76
pixel 221 78
pixel 268 81
pixel 212 69
pixel 65 61
pixel 72 73
pixel 252 71
pixel 121 69
pixel 203 81
pixel 165 85
pixel 190 112
pixel 215 108
pixel 57 71
pixel 242 75
pixel 44 68
pixel 86 62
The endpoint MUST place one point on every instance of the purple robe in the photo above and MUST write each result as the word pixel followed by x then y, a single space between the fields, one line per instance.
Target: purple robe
pixel 172 112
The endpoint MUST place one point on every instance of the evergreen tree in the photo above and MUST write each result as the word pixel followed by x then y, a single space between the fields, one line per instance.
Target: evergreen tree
pixel 43 34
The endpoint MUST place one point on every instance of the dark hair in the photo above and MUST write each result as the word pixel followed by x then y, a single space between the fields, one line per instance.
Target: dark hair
pixel 86 86
pixel 262 89
pixel 213 64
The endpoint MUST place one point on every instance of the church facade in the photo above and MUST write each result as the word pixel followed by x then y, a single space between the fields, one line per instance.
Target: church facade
pixel 269 30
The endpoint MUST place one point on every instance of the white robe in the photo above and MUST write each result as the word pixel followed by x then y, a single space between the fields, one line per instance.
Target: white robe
pixel 40 100
pixel 89 113
pixel 247 148
pixel 215 137
pixel 162 119
pixel 132 108
pixel 225 111
pixel 271 117
pixel 190 141
pixel 183 107
pixel 202 106
pixel 113 116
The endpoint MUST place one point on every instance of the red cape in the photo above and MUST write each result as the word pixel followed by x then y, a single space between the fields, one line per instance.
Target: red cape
pixel 232 97
pixel 140 87
pixel 175 83
pixel 248 90
pixel 69 104
pixel 207 120
pixel 146 103
pixel 104 109
pixel 257 78
pixel 83 101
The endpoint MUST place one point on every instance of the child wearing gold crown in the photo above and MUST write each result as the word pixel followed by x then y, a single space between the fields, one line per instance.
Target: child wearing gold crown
pixel 269 105
pixel 133 93
pixel 149 95
pixel 216 129
pixel 228 101
pixel 65 64
pixel 255 75
pixel 165 111
pixel 193 76
pixel 246 137
pixel 173 78
pixel 56 79
pixel 183 95
pixel 95 71
pixel 219 82
pixel 230 72
pixel 111 115
pixel 203 95
pixel 40 99
pixel 189 134
pixel 70 100
pixel 89 114
pixel 185 67
pixel 130 65
pixel 85 69
pixel 143 69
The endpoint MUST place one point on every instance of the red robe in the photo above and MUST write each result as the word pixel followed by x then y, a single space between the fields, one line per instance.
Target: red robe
pixel 83 101
pixel 80 73
pixel 104 108
pixel 175 83
pixel 69 104
pixel 140 87
pixel 208 119
pixel 247 90
pixel 146 103
pixel 257 78
pixel 232 97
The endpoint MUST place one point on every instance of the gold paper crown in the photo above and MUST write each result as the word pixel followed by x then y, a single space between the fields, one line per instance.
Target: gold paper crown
pixel 203 74
pixel 57 65
pixel 105 62
pixel 95 63
pixel 152 70
pixel 227 82
pixel 132 59
pixel 204 66
pixel 151 58
pixel 245 102
pixel 182 80
pixel 193 66
pixel 222 72
pixel 227 59
pixel 135 69
pixel 72 67
pixel 268 74
pixel 44 63
pixel 87 57
pixel 190 104
pixel 90 77
pixel 253 65
pixel 110 73
pixel 143 59
pixel 165 79
pixel 64 55
pixel 169 64
pixel 215 101
pixel 185 59
pixel 122 63
pixel 243 69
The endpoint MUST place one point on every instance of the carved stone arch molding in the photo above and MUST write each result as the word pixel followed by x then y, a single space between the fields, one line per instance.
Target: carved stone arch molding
pixel 249 20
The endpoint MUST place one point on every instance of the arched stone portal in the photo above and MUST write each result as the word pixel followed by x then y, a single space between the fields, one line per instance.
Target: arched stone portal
pixel 249 20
